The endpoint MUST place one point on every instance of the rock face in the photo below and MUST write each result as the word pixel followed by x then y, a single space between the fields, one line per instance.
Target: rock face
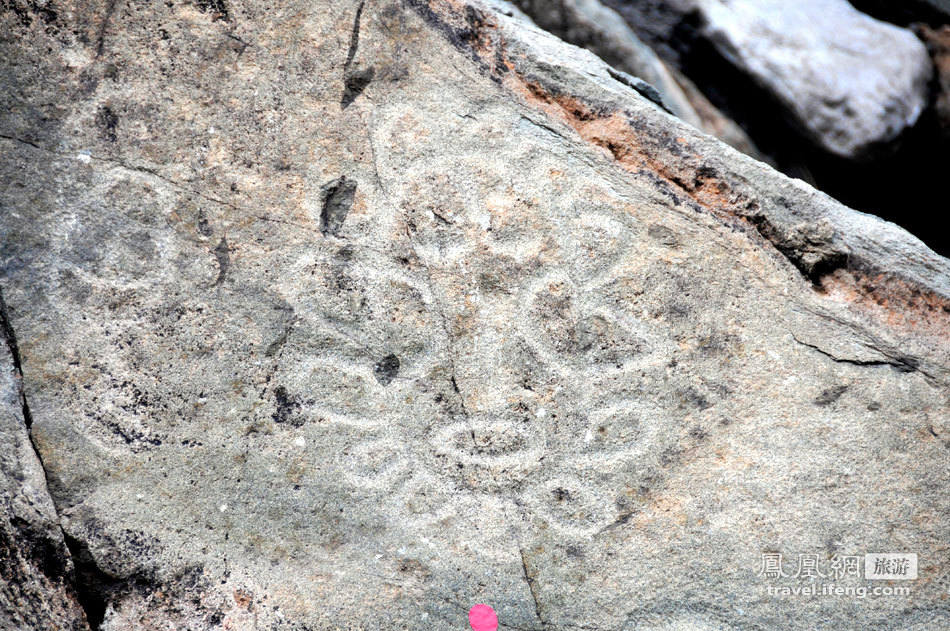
pixel 35 566
pixel 848 96
pixel 356 314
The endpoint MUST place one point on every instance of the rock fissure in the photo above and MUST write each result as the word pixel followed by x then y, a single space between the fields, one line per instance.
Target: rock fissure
pixel 103 27
pixel 898 363
pixel 92 585
pixel 532 588
pixel 9 338
pixel 57 563
pixel 128 167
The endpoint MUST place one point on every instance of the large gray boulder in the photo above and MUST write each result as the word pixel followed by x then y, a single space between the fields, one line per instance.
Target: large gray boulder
pixel 851 82
pixel 356 314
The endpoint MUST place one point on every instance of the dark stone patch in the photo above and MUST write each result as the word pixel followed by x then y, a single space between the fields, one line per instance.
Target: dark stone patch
pixel 239 45
pixel 287 406
pixel 663 234
pixel 669 455
pixel 278 343
pixel 22 538
pixel 222 254
pixel 694 398
pixel 462 38
pixel 354 83
pixel 663 187
pixel 103 27
pixel 830 395
pixel 474 25
pixel 217 8
pixel 107 121
pixel 704 173
pixel 204 227
pixel 387 369
pixel 500 67
pixel 24 11
pixel 137 441
pixel 337 201
pixel 561 495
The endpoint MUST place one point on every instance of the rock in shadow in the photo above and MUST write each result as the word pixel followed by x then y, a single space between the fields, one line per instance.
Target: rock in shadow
pixel 337 200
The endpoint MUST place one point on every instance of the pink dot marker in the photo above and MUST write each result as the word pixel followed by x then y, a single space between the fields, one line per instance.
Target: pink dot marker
pixel 482 618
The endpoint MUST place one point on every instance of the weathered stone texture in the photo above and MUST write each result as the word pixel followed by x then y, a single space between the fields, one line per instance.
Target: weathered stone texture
pixel 353 315
pixel 36 570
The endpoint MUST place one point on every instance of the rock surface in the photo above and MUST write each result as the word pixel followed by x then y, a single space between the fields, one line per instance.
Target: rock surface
pixel 36 571
pixel 851 93
pixel 356 314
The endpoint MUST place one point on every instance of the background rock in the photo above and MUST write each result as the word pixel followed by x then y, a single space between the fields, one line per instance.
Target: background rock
pixel 938 43
pixel 942 7
pixel 716 123
pixel 591 25
pixel 850 98
pixel 659 23
pixel 902 184
pixel 355 315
